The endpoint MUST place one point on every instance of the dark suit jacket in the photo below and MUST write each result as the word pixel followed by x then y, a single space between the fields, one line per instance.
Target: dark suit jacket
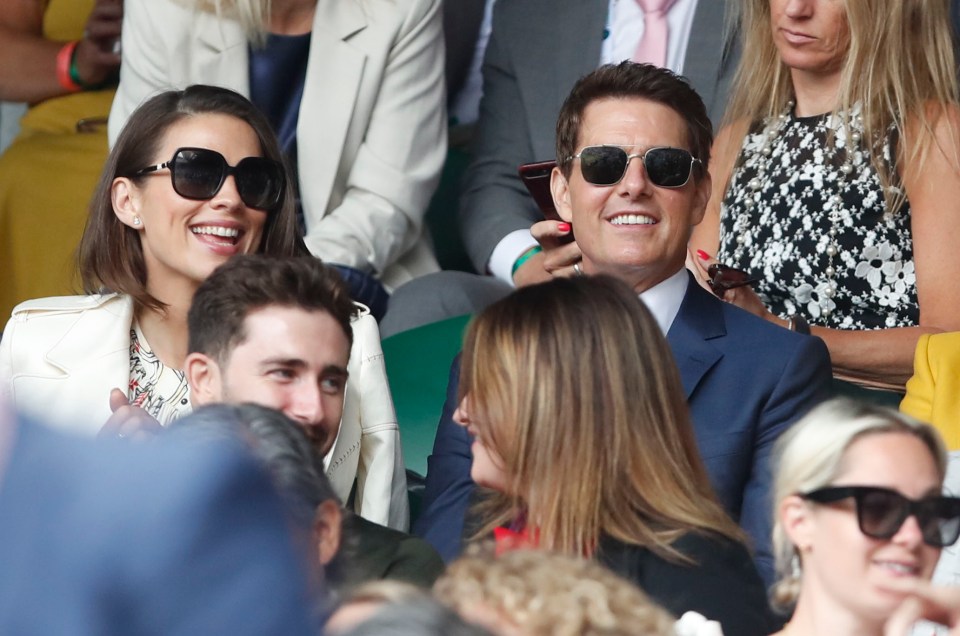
pixel 374 552
pixel 167 538
pixel 746 381
pixel 537 51
pixel 955 17
pixel 462 20
pixel 722 584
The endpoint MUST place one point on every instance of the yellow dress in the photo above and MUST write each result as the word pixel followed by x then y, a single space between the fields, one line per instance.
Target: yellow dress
pixel 933 393
pixel 47 176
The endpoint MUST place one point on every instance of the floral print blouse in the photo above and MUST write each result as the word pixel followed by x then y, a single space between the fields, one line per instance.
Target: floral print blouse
pixel 161 391
pixel 787 234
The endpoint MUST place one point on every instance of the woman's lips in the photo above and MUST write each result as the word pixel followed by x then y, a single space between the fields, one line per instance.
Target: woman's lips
pixel 220 239
pixel 796 37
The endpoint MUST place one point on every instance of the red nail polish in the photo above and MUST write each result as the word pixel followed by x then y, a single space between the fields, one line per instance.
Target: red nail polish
pixel 564 227
pixel 703 255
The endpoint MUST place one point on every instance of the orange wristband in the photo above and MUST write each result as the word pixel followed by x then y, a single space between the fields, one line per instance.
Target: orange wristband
pixel 64 59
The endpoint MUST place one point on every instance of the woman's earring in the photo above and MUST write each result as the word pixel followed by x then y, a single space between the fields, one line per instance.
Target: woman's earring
pixel 136 220
pixel 795 571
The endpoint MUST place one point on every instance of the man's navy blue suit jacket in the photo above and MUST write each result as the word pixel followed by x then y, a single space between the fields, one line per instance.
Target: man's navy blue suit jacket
pixel 746 381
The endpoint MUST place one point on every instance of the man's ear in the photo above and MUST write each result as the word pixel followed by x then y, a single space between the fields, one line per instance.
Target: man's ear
pixel 560 190
pixel 327 524
pixel 205 379
pixel 125 198
pixel 703 185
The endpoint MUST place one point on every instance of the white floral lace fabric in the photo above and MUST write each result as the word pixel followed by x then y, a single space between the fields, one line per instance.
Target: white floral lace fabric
pixel 787 235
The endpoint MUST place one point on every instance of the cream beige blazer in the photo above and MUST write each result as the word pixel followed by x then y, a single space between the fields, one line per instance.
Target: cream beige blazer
pixel 60 357
pixel 371 137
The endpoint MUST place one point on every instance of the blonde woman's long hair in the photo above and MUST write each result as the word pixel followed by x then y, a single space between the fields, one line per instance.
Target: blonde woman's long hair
pixel 810 455
pixel 572 383
pixel 899 70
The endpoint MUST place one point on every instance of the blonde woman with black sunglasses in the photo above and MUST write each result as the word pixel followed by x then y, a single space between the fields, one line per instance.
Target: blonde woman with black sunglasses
pixel 860 521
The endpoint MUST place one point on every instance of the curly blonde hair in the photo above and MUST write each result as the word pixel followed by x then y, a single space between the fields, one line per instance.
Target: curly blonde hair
pixel 547 593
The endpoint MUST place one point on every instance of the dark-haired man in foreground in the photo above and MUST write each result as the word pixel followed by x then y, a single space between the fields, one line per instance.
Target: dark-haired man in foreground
pixel 277 332
pixel 284 333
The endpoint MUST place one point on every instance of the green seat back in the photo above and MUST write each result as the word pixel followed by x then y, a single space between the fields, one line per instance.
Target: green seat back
pixel 442 215
pixel 418 367
pixel 878 397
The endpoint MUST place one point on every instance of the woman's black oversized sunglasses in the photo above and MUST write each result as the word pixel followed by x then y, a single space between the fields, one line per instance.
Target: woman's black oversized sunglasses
pixel 199 173
pixel 605 165
pixel 881 512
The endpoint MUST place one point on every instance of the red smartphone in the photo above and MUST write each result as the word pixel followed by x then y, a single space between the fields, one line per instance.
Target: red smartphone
pixel 536 176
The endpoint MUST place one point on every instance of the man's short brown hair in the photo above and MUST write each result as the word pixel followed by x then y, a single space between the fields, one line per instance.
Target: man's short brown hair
pixel 630 80
pixel 247 283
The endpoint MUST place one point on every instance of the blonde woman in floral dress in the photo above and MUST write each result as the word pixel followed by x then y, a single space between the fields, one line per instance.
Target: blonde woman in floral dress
pixel 837 180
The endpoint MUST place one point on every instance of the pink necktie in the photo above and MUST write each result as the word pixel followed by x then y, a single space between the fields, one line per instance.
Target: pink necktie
pixel 653 45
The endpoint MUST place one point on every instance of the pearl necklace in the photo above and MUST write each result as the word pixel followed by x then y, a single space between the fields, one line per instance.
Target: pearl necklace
pixel 773 128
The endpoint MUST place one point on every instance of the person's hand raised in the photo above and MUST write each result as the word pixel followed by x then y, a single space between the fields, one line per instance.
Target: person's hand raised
pixel 98 53
pixel 559 257
pixel 128 420
pixel 924 601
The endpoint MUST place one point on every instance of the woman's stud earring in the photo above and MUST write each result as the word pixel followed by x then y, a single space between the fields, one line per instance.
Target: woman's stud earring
pixel 136 220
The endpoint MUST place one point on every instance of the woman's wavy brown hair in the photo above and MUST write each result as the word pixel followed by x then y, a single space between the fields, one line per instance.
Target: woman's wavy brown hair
pixel 572 383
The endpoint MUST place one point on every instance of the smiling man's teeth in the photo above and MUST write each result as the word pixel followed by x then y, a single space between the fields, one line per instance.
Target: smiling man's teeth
pixel 216 230
pixel 632 219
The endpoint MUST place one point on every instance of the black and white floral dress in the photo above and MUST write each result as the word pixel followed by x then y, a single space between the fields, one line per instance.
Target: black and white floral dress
pixel 786 228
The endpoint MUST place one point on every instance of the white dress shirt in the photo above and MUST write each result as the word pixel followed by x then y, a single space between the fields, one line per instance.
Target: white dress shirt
pixel 664 299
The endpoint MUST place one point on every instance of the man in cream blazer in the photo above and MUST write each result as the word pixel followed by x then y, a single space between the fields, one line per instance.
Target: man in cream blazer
pixel 371 133
pixel 60 357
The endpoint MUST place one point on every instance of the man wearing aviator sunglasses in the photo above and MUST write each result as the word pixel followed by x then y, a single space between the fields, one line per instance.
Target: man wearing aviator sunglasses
pixel 607 164
pixel 633 146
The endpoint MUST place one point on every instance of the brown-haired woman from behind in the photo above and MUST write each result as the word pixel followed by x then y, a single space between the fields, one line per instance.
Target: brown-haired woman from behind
pixel 582 433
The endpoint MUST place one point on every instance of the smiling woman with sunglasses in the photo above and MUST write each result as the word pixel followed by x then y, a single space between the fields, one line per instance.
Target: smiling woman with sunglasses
pixel 354 91
pixel 195 178
pixel 860 517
